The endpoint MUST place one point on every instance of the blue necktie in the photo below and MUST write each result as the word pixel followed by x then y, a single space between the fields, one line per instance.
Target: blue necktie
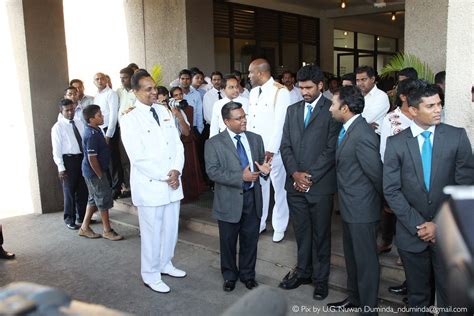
pixel 426 153
pixel 244 160
pixel 342 133
pixel 308 115
pixel 155 116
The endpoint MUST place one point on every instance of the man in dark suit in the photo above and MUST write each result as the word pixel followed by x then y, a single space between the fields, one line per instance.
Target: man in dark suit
pixel 237 203
pixel 307 148
pixel 359 181
pixel 418 163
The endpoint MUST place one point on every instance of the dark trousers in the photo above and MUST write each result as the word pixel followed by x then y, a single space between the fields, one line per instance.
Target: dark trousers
pixel 420 268
pixel 362 263
pixel 201 140
pixel 388 222
pixel 115 167
pixel 1 236
pixel 312 226
pixel 74 190
pixel 247 230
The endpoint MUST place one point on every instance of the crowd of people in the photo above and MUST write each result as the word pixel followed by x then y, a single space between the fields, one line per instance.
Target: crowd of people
pixel 387 163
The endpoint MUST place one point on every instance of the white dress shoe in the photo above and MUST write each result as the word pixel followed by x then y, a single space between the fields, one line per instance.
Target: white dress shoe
pixel 175 273
pixel 159 287
pixel 278 236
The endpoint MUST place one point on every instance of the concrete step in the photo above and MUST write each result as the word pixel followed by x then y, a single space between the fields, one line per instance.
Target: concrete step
pixel 197 218
pixel 269 270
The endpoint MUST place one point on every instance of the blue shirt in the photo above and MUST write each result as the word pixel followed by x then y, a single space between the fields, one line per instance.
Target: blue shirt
pixel 94 144
pixel 194 99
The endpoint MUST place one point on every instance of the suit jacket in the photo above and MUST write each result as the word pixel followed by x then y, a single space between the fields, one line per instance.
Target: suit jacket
pixel 403 182
pixel 153 150
pixel 359 174
pixel 311 149
pixel 223 167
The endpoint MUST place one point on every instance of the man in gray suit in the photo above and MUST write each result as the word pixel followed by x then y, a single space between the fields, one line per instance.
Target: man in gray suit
pixel 418 163
pixel 237 203
pixel 359 181
pixel 308 151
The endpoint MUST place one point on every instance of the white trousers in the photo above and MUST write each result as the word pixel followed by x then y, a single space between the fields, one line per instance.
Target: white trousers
pixel 159 234
pixel 280 209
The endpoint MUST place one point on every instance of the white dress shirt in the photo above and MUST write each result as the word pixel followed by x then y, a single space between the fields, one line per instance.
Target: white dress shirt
pixel 154 150
pixel 295 95
pixel 64 141
pixel 328 94
pixel 85 101
pixel 210 98
pixel 376 107
pixel 217 123
pixel 313 104
pixel 108 101
pixel 245 143
pixel 245 93
pixel 267 112
pixel 349 122
pixel 416 131
pixel 126 100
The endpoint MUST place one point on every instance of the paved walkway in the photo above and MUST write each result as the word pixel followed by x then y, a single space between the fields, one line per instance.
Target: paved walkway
pixel 108 273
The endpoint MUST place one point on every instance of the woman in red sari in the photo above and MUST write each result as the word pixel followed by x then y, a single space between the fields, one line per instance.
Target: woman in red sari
pixel 192 179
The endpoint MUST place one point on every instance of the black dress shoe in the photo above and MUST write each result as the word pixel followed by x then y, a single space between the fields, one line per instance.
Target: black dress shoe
pixel 405 300
pixel 72 226
pixel 342 304
pixel 320 291
pixel 228 286
pixel 399 289
pixel 250 283
pixel 292 281
pixel 6 255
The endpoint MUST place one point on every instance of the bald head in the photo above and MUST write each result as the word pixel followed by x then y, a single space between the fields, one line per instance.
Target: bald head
pixel 100 81
pixel 259 72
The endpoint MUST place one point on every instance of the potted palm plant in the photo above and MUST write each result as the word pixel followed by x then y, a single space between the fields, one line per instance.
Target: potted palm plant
pixel 403 60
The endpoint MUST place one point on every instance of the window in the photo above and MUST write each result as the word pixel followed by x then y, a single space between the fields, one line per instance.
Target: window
pixel 352 49
pixel 285 40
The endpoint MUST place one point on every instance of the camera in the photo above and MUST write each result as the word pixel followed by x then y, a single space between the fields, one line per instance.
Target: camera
pixel 173 103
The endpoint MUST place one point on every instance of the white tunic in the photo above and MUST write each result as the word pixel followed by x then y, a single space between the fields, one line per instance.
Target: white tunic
pixel 267 112
pixel 154 150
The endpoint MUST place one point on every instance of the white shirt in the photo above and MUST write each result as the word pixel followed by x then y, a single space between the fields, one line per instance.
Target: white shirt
pixel 108 101
pixel 245 143
pixel 126 100
pixel 392 124
pixel 64 141
pixel 376 107
pixel 267 113
pixel 349 122
pixel 245 93
pixel 217 123
pixel 210 98
pixel 86 100
pixel 328 94
pixel 313 104
pixel 416 131
pixel 295 95
pixel 154 150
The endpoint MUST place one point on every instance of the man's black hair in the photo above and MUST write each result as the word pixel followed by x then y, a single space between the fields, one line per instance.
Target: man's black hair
pixel 424 90
pixel 352 97
pixel 310 72
pixel 90 111
pixel 127 70
pixel 139 74
pixel 228 107
pixel 63 103
pixel 409 72
pixel 349 76
pixel 440 77
pixel 185 72
pixel 369 70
